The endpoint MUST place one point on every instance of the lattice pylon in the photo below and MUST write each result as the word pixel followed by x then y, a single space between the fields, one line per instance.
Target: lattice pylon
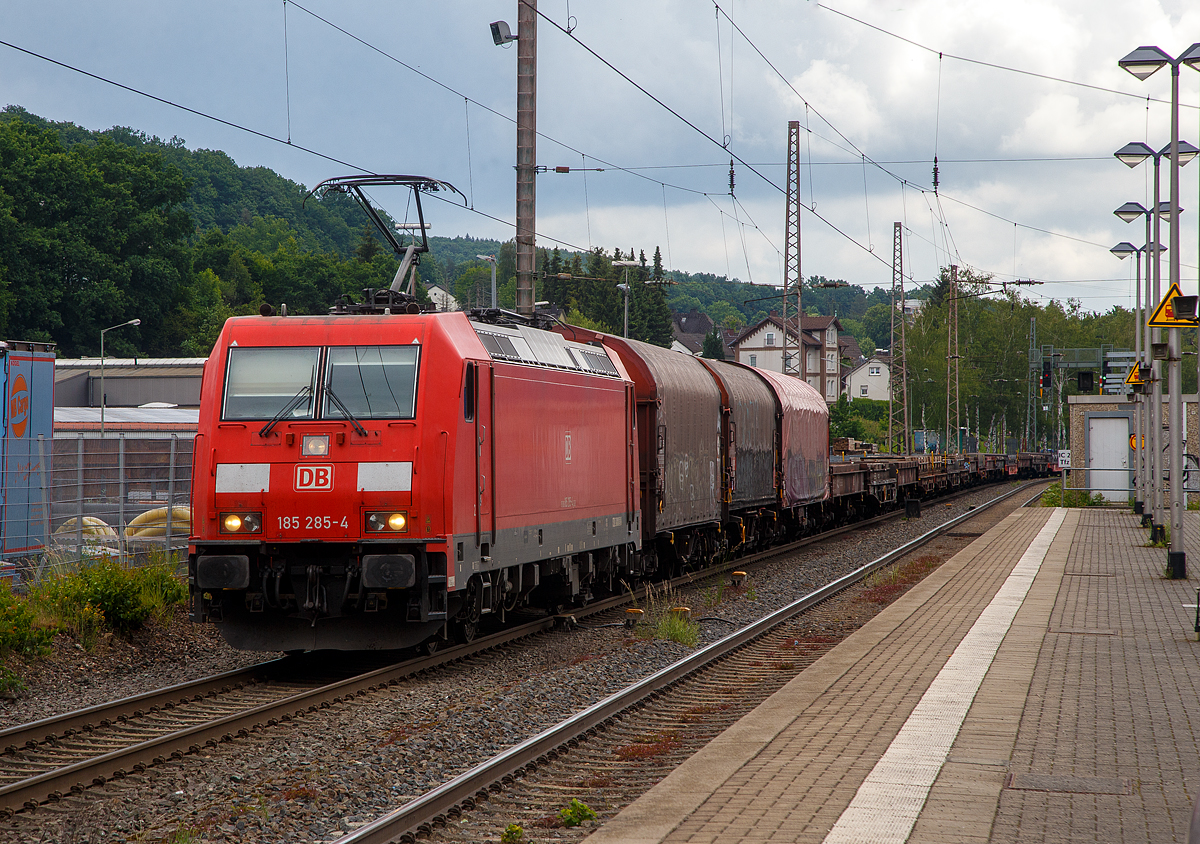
pixel 791 251
pixel 898 394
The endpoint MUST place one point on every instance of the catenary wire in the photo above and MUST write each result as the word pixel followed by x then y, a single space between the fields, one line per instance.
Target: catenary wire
pixel 993 65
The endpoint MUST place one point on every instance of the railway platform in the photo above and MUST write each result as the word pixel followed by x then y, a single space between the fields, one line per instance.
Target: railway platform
pixel 1042 685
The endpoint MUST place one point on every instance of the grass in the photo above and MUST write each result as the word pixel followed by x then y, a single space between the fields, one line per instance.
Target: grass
pixel 714 595
pixel 183 835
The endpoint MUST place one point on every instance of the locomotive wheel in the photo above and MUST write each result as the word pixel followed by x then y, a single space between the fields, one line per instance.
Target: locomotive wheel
pixel 464 631
pixel 466 625
pixel 430 646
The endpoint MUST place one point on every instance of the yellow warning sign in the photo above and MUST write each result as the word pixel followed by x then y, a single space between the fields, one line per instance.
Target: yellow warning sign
pixel 1132 377
pixel 1164 314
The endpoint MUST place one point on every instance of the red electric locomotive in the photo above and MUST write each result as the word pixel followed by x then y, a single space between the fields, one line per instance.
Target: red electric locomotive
pixel 380 477
pixel 401 472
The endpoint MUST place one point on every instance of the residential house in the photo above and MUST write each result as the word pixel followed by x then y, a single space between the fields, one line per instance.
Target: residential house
pixel 818 362
pixel 871 379
pixel 689 330
pixel 442 298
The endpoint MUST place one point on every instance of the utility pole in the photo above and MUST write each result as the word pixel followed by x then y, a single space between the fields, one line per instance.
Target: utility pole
pixel 1031 407
pixel 898 417
pixel 791 246
pixel 952 360
pixel 526 151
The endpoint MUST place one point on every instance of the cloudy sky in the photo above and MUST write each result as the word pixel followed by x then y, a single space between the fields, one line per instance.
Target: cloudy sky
pixel 1023 107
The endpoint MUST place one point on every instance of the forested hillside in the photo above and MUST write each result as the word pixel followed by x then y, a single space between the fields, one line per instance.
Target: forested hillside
pixel 100 227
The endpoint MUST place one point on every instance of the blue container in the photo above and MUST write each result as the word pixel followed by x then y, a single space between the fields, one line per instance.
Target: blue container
pixel 26 446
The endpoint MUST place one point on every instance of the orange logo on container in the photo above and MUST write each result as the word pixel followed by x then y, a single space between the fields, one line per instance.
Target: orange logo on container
pixel 18 407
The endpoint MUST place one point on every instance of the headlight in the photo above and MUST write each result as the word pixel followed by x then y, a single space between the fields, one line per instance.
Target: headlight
pixel 314 445
pixel 384 522
pixel 241 522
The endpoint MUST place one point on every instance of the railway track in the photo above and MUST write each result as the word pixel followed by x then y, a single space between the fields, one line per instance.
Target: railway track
pixel 45 760
pixel 678 710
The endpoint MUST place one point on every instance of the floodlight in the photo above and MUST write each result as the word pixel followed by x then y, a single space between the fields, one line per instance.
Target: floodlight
pixel 501 34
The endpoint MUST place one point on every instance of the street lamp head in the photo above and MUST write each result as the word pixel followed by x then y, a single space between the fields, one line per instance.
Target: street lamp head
pixel 622 286
pixel 491 259
pixel 1191 57
pixel 626 263
pixel 134 322
pixel 1187 152
pixel 1144 61
pixel 1133 154
pixel 1130 211
pixel 501 34
pixel 1123 249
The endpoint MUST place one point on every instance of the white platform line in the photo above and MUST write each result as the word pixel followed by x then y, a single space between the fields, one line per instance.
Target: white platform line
pixel 887 804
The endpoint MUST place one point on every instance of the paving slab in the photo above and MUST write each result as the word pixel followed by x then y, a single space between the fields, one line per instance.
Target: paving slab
pixel 1085 725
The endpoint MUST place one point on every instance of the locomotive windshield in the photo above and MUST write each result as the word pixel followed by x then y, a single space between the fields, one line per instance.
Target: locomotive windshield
pixel 373 382
pixel 261 382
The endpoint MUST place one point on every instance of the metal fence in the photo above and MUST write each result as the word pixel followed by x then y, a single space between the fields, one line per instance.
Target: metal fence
pixel 125 496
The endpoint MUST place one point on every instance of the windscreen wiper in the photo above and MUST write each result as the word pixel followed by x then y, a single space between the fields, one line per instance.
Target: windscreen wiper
pixel 362 432
pixel 305 391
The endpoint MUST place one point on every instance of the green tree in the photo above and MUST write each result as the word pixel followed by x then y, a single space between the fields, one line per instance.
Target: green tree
pixel 714 349
pixel 368 244
pixel 842 421
pixel 92 236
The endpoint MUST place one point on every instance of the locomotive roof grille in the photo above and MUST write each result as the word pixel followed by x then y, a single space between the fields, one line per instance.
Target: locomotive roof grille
pixel 499 346
pixel 599 363
pixel 549 351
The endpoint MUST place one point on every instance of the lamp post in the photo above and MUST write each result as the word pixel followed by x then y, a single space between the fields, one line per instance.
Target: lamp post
pixel 102 398
pixel 1131 155
pixel 1142 63
pixel 1129 212
pixel 625 287
pixel 491 259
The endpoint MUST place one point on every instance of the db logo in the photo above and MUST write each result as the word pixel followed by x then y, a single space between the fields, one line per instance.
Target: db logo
pixel 314 477
pixel 18 406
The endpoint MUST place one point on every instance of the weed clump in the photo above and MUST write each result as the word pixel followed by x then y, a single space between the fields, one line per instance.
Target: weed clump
pixel 647 747
pixel 105 594
pixel 87 604
pixel 513 834
pixel 576 813
pixel 661 622
pixel 22 631
pixel 1054 497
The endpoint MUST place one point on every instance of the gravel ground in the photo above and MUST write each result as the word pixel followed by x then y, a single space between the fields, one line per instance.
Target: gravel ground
pixel 158 655
pixel 314 778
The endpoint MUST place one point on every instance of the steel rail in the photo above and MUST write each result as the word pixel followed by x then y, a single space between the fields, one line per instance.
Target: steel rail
pixel 476 782
pixel 58 726
pixel 115 764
